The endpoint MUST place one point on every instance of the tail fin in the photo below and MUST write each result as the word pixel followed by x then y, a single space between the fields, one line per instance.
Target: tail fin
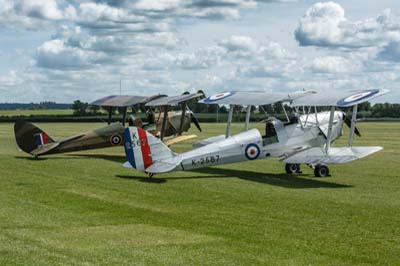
pixel 143 150
pixel 29 137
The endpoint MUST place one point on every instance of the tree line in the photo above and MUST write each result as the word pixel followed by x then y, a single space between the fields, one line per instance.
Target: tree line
pixel 365 109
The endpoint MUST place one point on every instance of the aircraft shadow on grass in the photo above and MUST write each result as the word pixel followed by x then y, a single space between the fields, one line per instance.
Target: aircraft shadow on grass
pixel 108 157
pixel 30 158
pixel 283 180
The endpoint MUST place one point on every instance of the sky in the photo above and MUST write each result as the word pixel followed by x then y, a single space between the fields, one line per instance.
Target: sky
pixel 84 49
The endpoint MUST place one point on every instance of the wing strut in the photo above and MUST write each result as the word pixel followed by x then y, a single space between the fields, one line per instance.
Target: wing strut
pixel 124 110
pixel 328 137
pixel 353 124
pixel 246 124
pixel 228 124
pixel 184 107
pixel 109 110
pixel 164 122
pixel 284 110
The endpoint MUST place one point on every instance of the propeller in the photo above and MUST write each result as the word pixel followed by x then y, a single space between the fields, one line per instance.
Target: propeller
pixel 347 121
pixel 194 119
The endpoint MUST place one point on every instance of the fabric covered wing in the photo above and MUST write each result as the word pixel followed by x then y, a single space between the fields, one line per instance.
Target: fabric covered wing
pixel 334 156
pixel 252 97
pixel 338 98
pixel 179 139
pixel 174 100
pixel 245 98
pixel 122 100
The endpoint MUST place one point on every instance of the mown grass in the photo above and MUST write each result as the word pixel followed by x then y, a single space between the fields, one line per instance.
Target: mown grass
pixel 86 209
pixel 36 112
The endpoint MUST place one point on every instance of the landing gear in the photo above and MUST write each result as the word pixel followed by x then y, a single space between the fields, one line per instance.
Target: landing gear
pixel 321 170
pixel 151 175
pixel 292 168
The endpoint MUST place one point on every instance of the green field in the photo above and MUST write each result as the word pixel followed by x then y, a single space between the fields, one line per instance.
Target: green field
pixel 35 112
pixel 86 209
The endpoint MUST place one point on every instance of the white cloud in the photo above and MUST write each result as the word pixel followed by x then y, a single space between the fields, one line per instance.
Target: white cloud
pixel 55 54
pixel 240 44
pixel 42 9
pixel 390 52
pixel 97 43
pixel 334 64
pixel 33 13
pixel 158 5
pixel 325 25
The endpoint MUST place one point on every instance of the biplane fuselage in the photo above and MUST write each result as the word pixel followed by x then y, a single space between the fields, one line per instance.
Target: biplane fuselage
pixel 33 140
pixel 278 140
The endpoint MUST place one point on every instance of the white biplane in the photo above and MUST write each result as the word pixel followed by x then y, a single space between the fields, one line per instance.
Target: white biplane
pixel 303 139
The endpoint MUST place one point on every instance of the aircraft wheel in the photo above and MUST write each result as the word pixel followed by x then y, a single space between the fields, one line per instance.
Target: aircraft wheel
pixel 292 168
pixel 321 171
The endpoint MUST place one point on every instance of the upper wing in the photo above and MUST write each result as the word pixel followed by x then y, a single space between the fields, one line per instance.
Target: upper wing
pixel 252 97
pixel 338 98
pixel 174 100
pixel 318 155
pixel 123 100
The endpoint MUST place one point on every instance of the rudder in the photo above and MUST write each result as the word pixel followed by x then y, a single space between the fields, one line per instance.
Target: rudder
pixel 29 137
pixel 143 149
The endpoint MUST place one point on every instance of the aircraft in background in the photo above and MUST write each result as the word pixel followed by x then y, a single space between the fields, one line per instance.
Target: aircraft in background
pixel 303 139
pixel 35 141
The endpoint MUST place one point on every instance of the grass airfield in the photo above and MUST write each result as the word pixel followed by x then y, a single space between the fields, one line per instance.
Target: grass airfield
pixel 86 209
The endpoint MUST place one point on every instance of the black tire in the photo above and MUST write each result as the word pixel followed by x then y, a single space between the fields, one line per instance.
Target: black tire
pixel 321 171
pixel 292 168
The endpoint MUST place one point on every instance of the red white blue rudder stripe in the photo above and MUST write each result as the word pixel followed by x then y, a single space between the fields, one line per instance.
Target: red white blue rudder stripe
pixel 41 139
pixel 137 148
pixel 143 149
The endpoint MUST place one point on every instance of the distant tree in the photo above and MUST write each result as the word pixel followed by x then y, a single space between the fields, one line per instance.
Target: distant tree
pixel 385 110
pixel 94 109
pixel 365 106
pixel 79 107
pixel 223 109
pixel 212 108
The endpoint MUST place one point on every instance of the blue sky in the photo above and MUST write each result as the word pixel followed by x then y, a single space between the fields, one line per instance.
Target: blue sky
pixel 81 49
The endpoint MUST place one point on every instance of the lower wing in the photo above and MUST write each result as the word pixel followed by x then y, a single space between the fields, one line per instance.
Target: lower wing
pixel 334 156
pixel 178 139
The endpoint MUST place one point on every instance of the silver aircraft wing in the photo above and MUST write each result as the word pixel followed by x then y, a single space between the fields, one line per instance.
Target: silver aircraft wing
pixel 174 100
pixel 124 100
pixel 338 98
pixel 252 97
pixel 318 155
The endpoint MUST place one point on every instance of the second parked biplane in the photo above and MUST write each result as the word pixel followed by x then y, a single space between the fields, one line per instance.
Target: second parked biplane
pixel 35 141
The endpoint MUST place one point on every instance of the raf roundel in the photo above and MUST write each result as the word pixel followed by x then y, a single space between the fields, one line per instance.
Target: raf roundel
pixel 357 97
pixel 115 139
pixel 252 151
pixel 219 96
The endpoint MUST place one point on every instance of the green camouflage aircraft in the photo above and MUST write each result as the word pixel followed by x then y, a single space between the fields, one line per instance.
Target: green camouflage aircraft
pixel 162 124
